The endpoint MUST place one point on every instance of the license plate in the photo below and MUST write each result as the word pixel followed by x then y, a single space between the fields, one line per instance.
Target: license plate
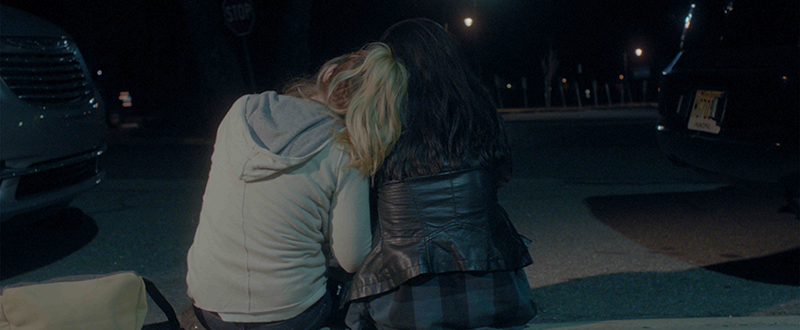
pixel 707 111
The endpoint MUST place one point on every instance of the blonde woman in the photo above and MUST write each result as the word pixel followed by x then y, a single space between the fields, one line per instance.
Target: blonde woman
pixel 287 194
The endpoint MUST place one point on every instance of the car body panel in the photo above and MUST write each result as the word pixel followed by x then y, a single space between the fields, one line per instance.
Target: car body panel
pixel 753 85
pixel 52 120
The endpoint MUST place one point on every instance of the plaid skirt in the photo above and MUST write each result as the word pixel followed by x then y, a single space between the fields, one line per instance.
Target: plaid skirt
pixel 459 300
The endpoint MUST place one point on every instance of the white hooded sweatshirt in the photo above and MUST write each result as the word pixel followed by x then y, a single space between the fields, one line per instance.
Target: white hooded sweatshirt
pixel 278 191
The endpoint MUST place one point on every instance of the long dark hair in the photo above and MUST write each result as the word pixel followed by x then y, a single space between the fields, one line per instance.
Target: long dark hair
pixel 450 121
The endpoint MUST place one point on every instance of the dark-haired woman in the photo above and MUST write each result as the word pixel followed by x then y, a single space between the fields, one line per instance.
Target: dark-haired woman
pixel 445 255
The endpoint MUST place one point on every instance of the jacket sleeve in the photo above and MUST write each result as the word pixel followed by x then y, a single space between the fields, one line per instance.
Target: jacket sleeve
pixel 351 238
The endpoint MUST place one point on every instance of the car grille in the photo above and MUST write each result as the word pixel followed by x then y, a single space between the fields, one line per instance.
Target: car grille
pixel 43 70
pixel 56 178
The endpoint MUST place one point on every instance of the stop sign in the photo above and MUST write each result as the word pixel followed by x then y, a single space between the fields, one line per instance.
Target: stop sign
pixel 239 16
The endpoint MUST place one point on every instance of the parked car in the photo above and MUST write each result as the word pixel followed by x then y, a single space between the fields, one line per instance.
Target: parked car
pixel 729 102
pixel 52 120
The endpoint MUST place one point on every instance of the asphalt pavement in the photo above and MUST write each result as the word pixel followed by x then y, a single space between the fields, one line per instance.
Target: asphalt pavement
pixel 717 323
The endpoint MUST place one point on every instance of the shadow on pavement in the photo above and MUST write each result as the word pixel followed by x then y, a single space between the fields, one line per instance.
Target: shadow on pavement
pixel 780 268
pixel 692 293
pixel 27 244
pixel 728 230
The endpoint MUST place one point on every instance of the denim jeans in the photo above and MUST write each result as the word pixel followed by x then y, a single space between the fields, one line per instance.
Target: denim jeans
pixel 314 317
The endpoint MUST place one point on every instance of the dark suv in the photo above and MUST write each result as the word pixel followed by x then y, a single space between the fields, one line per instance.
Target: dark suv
pixel 52 121
pixel 729 101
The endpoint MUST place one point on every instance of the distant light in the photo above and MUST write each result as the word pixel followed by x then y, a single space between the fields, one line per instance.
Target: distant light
pixel 508 86
pixel 127 100
pixel 638 52
pixel 563 80
pixel 621 77
pixel 468 21
pixel 99 72
pixel 588 93
pixel 688 21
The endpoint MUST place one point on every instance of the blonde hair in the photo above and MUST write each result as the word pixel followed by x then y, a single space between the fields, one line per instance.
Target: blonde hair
pixel 367 90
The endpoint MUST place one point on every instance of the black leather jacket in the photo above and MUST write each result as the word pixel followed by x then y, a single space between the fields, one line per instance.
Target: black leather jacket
pixel 435 224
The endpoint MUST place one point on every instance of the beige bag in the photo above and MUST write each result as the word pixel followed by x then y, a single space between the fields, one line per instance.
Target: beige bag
pixel 116 301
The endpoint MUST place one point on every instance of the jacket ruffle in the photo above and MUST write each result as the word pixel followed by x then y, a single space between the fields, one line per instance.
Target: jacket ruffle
pixel 436 224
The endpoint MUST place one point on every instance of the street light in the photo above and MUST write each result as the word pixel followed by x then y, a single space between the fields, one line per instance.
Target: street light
pixel 638 52
pixel 468 21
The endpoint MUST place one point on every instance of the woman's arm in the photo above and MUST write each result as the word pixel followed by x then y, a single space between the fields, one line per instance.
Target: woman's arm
pixel 351 238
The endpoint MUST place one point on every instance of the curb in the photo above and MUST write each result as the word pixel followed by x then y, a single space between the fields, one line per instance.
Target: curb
pixel 733 323
pixel 629 106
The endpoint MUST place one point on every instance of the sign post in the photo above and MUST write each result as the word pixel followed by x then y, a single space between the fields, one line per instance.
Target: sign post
pixel 240 17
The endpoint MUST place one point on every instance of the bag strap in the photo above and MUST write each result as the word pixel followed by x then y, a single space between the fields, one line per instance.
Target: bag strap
pixel 163 304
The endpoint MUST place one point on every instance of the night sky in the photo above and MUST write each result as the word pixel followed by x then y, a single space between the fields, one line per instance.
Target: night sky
pixel 143 44
pixel 513 36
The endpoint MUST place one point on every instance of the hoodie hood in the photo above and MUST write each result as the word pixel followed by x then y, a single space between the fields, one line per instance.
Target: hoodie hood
pixel 266 134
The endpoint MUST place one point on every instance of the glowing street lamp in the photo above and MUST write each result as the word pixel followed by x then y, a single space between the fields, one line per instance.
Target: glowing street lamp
pixel 638 52
pixel 468 21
